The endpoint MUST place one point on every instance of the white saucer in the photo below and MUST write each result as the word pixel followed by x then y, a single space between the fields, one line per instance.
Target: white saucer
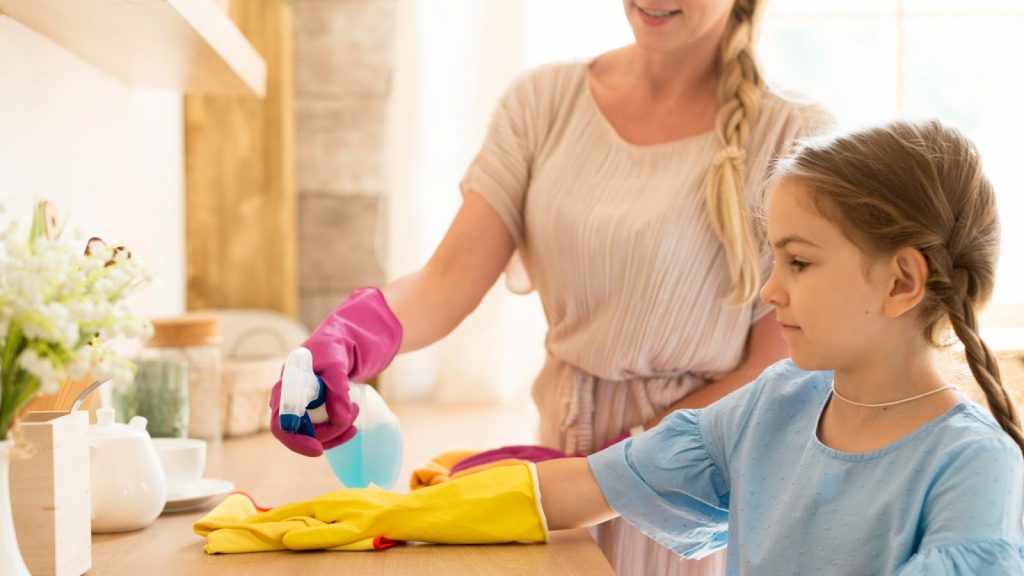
pixel 197 494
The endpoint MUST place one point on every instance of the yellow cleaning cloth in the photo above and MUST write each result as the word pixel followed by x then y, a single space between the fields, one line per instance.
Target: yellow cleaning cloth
pixel 496 505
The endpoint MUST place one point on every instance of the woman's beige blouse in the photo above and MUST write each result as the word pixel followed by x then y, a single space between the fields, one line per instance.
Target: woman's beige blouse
pixel 615 237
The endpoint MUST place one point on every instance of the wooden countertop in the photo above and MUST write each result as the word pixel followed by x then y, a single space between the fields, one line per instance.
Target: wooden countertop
pixel 262 467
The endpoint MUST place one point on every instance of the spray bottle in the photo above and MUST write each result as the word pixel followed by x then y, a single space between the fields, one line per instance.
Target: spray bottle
pixel 373 455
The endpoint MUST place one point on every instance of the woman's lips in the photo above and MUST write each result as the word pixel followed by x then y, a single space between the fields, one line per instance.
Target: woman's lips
pixel 654 18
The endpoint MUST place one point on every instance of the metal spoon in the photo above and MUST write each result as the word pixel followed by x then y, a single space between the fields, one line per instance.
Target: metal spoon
pixel 85 393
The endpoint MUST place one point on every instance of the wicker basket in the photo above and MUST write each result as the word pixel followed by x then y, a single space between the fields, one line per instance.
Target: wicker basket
pixel 246 385
pixel 255 345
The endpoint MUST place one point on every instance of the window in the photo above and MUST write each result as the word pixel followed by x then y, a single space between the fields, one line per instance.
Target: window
pixel 868 61
pixel 956 60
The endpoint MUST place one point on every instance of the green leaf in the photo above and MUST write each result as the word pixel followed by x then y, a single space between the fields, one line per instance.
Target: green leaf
pixel 38 228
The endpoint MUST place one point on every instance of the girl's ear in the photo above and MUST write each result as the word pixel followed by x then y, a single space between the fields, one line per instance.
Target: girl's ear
pixel 908 273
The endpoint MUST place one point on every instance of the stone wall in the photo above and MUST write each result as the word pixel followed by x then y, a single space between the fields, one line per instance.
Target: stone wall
pixel 343 52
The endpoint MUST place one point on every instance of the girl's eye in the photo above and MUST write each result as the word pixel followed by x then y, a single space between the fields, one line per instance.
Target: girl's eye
pixel 798 264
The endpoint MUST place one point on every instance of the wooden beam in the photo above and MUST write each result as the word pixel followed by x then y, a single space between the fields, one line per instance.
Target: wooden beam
pixel 188 45
pixel 240 179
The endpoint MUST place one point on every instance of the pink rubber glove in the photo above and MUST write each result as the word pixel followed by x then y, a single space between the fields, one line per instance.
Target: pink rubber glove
pixel 355 342
pixel 528 452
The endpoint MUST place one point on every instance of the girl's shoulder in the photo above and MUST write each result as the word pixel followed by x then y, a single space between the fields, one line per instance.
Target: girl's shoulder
pixel 782 397
pixel 971 424
pixel 783 392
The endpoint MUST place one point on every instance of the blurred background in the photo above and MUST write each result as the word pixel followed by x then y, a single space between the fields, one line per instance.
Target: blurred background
pixel 341 168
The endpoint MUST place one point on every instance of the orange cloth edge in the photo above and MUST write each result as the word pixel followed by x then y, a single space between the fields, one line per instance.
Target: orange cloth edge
pixel 438 468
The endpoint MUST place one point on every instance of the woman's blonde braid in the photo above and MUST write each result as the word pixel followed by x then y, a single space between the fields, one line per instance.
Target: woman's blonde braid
pixel 739 95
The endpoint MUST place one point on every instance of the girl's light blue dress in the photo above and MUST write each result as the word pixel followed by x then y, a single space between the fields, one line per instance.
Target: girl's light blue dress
pixel 750 472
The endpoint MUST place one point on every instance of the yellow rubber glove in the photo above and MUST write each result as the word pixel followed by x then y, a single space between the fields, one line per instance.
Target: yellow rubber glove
pixel 497 505
pixel 229 528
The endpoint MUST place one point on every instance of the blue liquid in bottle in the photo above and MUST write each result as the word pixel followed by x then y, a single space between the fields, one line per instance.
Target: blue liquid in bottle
pixel 374 454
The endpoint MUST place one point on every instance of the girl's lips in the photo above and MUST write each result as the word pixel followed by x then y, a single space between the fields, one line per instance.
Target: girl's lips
pixel 788 326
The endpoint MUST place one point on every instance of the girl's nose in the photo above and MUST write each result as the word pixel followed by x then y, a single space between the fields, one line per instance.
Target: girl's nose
pixel 771 293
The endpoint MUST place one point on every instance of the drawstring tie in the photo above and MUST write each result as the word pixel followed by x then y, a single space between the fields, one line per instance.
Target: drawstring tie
pixel 577 408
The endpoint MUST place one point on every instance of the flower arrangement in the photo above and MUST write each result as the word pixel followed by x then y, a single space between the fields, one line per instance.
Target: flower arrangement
pixel 60 307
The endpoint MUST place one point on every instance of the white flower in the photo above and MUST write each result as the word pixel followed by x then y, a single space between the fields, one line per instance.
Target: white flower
pixel 49 376
pixel 123 373
pixel 103 368
pixel 78 368
pixel 50 322
pixel 65 305
pixel 99 252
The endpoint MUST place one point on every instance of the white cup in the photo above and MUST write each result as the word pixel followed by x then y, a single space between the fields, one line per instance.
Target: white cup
pixel 183 460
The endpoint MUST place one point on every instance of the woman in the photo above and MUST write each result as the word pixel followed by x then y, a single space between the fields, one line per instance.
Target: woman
pixel 626 184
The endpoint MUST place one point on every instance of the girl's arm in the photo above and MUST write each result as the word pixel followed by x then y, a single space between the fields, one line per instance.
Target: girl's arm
pixel 765 346
pixel 569 494
pixel 430 302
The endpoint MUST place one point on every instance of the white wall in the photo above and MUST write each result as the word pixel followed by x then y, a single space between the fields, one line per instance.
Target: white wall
pixel 446 85
pixel 111 157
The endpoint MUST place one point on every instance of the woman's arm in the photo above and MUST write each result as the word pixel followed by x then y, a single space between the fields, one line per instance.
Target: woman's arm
pixel 765 346
pixel 570 495
pixel 432 301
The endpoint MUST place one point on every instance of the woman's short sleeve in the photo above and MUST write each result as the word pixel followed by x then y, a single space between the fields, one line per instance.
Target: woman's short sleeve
pixel 500 172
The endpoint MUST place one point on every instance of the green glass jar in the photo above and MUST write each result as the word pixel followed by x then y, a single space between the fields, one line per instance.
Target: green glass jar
pixel 159 392
pixel 193 338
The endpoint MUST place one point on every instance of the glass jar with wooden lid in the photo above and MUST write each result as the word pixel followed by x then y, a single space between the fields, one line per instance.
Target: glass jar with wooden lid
pixel 194 338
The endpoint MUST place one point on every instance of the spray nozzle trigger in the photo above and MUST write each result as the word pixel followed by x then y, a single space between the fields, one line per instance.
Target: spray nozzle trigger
pixel 301 390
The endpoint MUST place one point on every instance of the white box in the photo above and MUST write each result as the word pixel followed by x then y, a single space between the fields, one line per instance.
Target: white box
pixel 50 493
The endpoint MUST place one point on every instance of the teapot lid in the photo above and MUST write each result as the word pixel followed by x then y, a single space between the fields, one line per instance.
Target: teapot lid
pixel 105 427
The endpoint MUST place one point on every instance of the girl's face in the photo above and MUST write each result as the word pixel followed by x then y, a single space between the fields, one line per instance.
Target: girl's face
pixel 827 294
pixel 668 25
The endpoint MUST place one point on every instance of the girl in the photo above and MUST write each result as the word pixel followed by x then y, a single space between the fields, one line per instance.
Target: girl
pixel 851 458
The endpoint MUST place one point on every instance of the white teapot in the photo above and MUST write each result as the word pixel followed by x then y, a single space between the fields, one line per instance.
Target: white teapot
pixel 129 489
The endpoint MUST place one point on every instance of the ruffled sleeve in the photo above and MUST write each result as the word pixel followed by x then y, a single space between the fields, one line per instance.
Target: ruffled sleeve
pixel 673 481
pixel 665 483
pixel 983 557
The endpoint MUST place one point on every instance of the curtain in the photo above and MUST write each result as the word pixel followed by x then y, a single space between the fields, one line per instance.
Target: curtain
pixel 454 58
pixel 453 61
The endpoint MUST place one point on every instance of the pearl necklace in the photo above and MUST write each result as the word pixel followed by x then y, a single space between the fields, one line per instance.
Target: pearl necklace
pixel 884 404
